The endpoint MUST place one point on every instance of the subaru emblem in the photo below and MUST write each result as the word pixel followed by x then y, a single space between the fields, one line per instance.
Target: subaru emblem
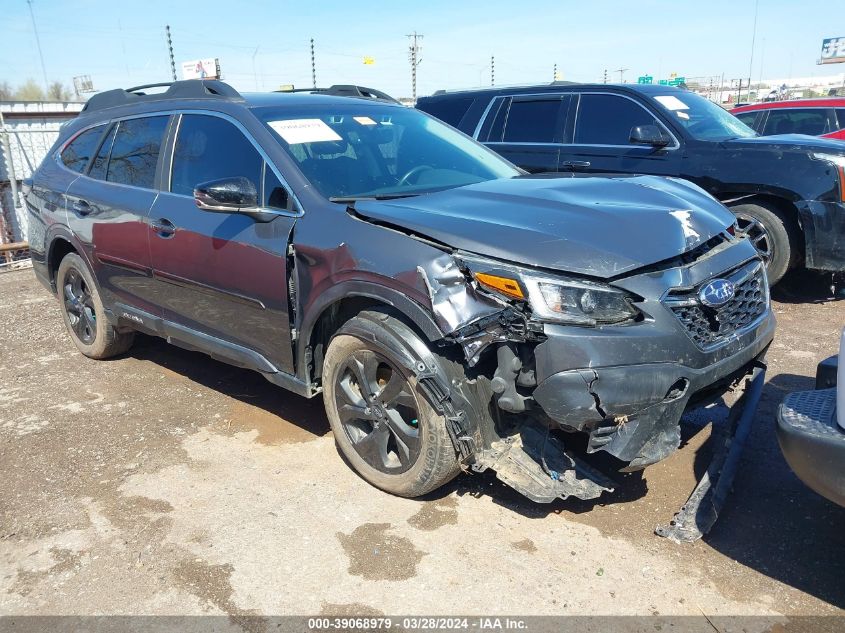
pixel 717 293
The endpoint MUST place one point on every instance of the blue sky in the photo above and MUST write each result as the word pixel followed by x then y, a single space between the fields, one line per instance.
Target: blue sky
pixel 262 44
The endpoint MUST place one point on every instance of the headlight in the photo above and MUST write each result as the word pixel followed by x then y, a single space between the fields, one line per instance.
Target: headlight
pixel 578 302
pixel 571 301
pixel 836 159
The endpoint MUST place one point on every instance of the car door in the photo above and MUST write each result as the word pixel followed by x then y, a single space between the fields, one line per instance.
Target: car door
pixel 108 207
pixel 527 129
pixel 600 138
pixel 223 275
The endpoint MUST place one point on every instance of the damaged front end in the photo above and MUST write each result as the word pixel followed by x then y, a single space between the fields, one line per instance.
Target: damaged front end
pixel 553 357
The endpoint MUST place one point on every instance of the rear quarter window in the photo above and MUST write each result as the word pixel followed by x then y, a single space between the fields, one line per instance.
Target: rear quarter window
pixel 78 152
pixel 748 117
pixel 449 110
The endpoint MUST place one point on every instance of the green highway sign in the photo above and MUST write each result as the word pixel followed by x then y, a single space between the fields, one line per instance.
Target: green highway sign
pixel 677 81
pixel 663 82
pixel 645 79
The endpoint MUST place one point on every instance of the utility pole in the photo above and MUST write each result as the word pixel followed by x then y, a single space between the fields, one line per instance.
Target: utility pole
pixel 170 48
pixel 492 70
pixel 605 76
pixel 38 44
pixel 313 67
pixel 554 75
pixel 414 56
pixel 621 72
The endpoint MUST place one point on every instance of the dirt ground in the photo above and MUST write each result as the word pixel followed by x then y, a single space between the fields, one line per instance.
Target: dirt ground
pixel 164 482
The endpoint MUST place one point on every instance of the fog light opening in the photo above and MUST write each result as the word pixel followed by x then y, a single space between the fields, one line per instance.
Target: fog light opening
pixel 677 390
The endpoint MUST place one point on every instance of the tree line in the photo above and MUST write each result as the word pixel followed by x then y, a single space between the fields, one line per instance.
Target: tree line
pixel 31 90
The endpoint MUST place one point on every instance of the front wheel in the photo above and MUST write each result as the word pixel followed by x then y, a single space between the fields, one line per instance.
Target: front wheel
pixel 382 423
pixel 772 233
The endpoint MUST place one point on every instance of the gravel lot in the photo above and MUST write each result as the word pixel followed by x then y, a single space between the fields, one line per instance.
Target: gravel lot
pixel 164 482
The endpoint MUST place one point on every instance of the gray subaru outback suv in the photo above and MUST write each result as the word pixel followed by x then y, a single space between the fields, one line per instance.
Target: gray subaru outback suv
pixel 454 312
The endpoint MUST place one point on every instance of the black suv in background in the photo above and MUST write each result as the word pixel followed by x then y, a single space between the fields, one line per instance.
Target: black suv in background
pixel 451 311
pixel 787 192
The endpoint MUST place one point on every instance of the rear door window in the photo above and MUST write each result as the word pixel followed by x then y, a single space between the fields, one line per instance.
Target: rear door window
pixel 79 151
pixel 812 121
pixel 210 148
pixel 135 150
pixel 605 119
pixel 99 168
pixel 533 120
pixel 840 115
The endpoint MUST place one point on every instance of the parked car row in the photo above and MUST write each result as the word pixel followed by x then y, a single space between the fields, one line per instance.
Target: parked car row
pixel 787 193
pixel 814 117
pixel 454 311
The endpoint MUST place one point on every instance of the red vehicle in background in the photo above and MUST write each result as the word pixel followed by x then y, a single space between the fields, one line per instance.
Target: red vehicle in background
pixel 816 117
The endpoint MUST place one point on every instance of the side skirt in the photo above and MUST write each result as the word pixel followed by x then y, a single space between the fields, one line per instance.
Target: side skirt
pixel 123 316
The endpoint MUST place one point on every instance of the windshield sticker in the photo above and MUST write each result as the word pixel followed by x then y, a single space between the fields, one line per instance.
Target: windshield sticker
pixel 671 102
pixel 295 131
pixel 364 120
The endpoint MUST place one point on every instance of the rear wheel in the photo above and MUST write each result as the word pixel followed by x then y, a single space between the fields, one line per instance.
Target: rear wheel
pixel 772 233
pixel 84 314
pixel 382 423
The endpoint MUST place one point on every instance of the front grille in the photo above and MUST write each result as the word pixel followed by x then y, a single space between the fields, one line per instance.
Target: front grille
pixel 710 327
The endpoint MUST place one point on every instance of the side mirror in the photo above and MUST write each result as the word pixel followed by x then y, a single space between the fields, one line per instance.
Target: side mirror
pixel 227 195
pixel 648 135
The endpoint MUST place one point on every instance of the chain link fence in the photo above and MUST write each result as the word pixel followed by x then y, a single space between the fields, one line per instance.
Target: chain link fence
pixel 27 132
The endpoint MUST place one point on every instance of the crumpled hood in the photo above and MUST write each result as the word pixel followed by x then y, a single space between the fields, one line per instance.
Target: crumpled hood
pixel 597 226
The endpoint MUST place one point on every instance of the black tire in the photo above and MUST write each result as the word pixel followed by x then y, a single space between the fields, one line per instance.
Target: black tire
pixel 83 313
pixel 774 235
pixel 388 433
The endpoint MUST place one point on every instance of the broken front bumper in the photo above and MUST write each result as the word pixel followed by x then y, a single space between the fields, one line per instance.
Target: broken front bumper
pixel 824 234
pixel 629 386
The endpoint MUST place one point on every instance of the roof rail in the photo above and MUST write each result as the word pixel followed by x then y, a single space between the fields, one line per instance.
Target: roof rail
pixel 347 90
pixel 187 89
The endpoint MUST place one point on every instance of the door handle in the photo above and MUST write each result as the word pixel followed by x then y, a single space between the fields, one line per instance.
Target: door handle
pixel 576 164
pixel 163 227
pixel 81 207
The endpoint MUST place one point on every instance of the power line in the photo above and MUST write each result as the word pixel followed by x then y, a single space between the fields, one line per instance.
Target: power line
pixel 413 54
pixel 38 44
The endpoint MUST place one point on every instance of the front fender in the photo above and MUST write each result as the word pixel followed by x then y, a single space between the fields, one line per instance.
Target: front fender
pixel 419 315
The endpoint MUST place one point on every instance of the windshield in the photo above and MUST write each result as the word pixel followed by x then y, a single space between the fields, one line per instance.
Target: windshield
pixel 703 119
pixel 370 152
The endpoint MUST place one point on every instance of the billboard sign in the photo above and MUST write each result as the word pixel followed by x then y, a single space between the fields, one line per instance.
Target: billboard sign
pixel 208 68
pixel 833 50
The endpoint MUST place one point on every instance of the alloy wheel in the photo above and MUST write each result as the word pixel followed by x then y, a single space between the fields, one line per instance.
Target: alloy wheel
pixel 378 411
pixel 79 306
